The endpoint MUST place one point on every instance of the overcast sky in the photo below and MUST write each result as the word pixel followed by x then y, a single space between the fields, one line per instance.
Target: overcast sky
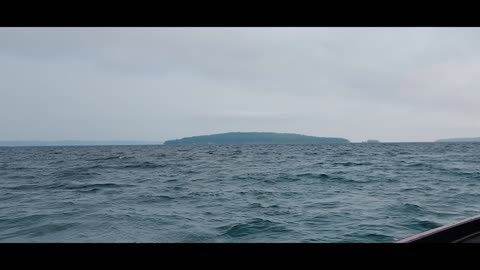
pixel 391 84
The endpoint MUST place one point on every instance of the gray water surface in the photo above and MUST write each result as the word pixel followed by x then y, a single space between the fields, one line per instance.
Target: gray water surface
pixel 235 193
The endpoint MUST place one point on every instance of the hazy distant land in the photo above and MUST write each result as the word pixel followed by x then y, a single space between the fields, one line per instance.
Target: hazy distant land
pixel 255 138
pixel 460 140
pixel 76 143
pixel 222 138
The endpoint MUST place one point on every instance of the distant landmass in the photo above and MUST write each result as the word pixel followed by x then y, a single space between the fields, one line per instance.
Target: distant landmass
pixel 255 138
pixel 76 143
pixel 371 141
pixel 460 140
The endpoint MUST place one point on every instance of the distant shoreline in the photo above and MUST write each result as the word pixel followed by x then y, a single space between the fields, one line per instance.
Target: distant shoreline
pixel 75 143
pixel 460 140
pixel 174 145
pixel 66 143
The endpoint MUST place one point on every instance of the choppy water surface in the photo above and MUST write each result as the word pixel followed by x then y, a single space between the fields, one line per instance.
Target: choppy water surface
pixel 235 193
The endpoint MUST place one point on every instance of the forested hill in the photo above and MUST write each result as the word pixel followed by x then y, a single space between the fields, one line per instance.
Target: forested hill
pixel 255 138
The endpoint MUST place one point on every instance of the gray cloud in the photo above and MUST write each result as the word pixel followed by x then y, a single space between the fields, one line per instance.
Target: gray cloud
pixel 392 84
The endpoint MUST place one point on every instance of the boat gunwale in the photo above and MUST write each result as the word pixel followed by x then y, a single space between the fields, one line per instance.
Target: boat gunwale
pixel 451 233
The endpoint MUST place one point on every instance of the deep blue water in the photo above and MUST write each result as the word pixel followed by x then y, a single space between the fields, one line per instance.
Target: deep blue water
pixel 235 193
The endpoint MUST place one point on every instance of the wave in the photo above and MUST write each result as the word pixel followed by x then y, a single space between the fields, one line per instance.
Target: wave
pixel 259 205
pixel 16 168
pixel 375 237
pixel 260 192
pixel 411 207
pixel 36 186
pixel 251 176
pixel 68 186
pixel 154 198
pixel 34 219
pixel 254 226
pixel 350 164
pixel 25 220
pixel 326 177
pixel 110 158
pixel 77 173
pixel 22 177
pixel 314 175
pixel 145 165
pixel 96 185
pixel 39 231
pixel 421 165
pixel 424 225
